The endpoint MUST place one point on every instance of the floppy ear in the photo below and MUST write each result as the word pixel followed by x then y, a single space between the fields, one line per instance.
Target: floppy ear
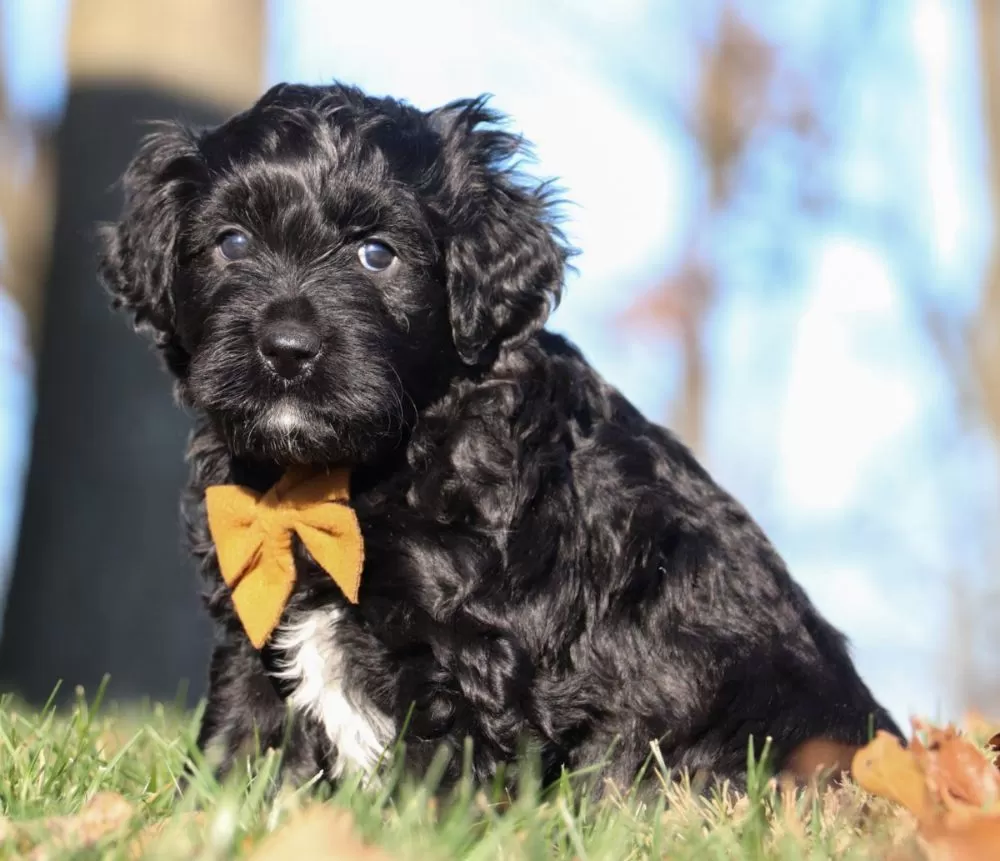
pixel 505 257
pixel 139 258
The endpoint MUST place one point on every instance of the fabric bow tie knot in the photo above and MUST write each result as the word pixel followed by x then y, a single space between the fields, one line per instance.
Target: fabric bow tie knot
pixel 253 540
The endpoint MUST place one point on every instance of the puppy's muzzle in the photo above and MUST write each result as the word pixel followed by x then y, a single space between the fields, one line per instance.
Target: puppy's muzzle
pixel 288 339
pixel 289 348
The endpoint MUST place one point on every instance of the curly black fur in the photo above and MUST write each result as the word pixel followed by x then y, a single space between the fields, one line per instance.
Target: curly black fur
pixel 544 565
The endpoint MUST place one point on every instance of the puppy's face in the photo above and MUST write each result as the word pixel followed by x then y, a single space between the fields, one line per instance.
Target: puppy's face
pixel 317 269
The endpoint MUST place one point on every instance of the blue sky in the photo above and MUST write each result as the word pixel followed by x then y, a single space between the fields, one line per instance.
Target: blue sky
pixel 827 405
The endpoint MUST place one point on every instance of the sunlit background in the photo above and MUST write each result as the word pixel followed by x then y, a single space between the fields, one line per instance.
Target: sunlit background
pixel 785 218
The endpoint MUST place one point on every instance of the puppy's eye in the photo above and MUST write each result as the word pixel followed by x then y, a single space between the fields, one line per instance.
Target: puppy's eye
pixel 376 256
pixel 233 245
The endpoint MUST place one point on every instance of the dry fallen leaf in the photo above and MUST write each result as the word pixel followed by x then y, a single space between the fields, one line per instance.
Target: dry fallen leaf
pixel 968 840
pixel 104 814
pixel 178 829
pixel 955 770
pixel 884 767
pixel 994 745
pixel 948 784
pixel 317 833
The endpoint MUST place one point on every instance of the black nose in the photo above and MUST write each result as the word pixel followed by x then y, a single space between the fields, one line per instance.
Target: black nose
pixel 288 347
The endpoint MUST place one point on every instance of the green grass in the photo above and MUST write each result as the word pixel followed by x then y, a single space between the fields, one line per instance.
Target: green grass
pixel 52 763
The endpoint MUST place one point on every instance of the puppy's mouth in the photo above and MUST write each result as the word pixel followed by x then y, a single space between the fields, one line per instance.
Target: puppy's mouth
pixel 287 431
pixel 286 417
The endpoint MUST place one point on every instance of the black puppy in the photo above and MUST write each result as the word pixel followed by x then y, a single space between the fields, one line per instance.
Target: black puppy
pixel 337 280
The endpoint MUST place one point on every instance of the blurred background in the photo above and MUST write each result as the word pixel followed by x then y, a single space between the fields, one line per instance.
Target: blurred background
pixel 788 219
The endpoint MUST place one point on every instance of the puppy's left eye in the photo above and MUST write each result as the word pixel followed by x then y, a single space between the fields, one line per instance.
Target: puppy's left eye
pixel 376 256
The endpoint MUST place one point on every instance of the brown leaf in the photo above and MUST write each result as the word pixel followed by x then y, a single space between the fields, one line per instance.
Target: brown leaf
pixel 971 840
pixel 104 814
pixel 946 781
pixel 317 833
pixel 955 770
pixel 178 828
pixel 994 746
pixel 884 767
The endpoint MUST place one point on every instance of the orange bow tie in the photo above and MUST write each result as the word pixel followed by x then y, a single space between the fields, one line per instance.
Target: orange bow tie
pixel 253 539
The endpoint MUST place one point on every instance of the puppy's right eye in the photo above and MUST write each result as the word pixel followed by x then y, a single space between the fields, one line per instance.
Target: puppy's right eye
pixel 233 245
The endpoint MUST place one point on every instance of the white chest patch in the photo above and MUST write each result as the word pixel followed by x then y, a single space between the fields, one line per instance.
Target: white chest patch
pixel 313 661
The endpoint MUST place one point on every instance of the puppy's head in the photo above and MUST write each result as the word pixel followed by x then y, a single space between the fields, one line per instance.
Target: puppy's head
pixel 317 268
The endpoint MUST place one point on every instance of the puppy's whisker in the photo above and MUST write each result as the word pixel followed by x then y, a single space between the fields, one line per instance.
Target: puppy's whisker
pixel 401 392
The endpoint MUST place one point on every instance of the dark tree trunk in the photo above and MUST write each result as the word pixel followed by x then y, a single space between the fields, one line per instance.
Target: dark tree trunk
pixel 101 583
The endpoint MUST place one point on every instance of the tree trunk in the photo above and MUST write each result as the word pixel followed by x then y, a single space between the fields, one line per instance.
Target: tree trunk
pixel 101 583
